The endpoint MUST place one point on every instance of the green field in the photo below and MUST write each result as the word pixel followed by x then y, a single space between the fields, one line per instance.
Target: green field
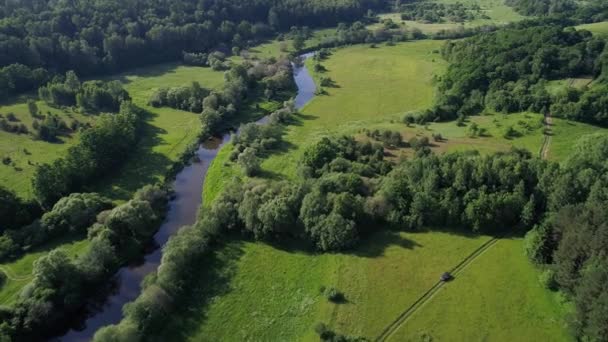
pixel 19 272
pixel 498 13
pixel 600 28
pixel 496 298
pixel 25 152
pixel 280 287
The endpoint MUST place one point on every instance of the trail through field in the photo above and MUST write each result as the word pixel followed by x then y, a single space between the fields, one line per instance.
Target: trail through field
pixel 547 136
pixel 398 322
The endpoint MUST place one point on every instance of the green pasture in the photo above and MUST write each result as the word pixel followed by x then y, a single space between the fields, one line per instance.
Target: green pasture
pixel 496 298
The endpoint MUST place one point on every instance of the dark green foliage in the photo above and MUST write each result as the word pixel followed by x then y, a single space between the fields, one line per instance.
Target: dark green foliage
pixel 585 11
pixel 61 286
pixel 91 96
pixel 105 36
pixel 185 98
pixel 70 215
pixel 333 295
pixel 431 12
pixel 506 71
pixel 101 149
pixel 15 212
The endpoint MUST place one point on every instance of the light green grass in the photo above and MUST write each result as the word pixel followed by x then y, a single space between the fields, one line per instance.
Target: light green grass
pixel 266 293
pixel 496 298
pixel 25 152
pixel 496 10
pixel 19 272
pixel 276 48
pixel 556 86
pixel 600 28
pixel 372 85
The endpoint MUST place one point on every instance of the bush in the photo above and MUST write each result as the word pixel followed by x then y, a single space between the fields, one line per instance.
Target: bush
pixel 548 280
pixel 333 295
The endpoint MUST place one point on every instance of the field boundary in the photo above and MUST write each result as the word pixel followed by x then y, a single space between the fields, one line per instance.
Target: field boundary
pixel 398 322
pixel 11 276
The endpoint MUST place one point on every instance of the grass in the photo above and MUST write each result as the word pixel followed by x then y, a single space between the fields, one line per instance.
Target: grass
pixel 276 48
pixel 556 86
pixel 600 28
pixel 260 292
pixel 168 132
pixel 508 304
pixel 372 85
pixel 19 272
pixel 498 13
pixel 25 152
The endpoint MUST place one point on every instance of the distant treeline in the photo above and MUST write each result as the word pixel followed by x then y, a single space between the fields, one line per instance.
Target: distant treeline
pixel 348 190
pixel 507 71
pixel 38 38
pixel 584 11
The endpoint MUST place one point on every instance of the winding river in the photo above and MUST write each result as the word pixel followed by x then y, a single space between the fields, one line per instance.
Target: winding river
pixel 183 208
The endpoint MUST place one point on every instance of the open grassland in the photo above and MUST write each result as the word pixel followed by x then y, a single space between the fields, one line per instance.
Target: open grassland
pixel 496 298
pixel 24 151
pixel 19 273
pixel 600 28
pixel 496 11
pixel 258 292
pixel 371 86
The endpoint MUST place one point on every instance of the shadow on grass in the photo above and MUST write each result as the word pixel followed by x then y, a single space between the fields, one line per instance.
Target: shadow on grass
pixel 212 280
pixel 154 70
pixel 144 166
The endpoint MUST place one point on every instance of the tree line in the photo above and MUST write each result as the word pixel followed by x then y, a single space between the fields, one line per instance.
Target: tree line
pixel 587 11
pixel 508 70
pixel 38 38
pixel 62 286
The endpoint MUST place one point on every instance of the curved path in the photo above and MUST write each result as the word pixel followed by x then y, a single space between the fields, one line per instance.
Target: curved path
pixel 398 322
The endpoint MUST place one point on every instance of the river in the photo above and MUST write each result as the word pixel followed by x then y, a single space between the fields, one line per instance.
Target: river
pixel 182 211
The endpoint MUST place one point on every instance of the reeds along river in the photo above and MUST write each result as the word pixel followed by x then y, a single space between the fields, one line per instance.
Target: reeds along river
pixel 183 208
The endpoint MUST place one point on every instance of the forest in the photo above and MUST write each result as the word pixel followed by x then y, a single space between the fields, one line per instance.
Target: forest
pixel 40 38
pixel 507 71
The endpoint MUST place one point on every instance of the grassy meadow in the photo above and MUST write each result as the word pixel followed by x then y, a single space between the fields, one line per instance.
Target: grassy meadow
pixel 600 28
pixel 496 11
pixel 496 298
pixel 281 287
pixel 25 152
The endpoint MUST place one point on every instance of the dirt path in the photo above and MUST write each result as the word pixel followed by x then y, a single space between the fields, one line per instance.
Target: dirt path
pixel 394 326
pixel 547 136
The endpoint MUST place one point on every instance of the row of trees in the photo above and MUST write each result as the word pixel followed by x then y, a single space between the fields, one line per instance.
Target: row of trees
pixel 507 71
pixel 100 150
pixel 431 12
pixel 106 36
pixel 90 96
pixel 188 98
pixel 70 215
pixel 14 211
pixel 63 286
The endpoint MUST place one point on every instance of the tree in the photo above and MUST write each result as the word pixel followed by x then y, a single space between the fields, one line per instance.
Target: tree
pixel 32 108
pixel 249 161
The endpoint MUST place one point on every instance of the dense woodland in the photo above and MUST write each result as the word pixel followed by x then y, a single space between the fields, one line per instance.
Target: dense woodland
pixel 586 11
pixel 39 38
pixel 507 71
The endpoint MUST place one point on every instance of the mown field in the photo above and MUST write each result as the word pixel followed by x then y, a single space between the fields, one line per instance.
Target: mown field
pixel 280 287
pixel 496 298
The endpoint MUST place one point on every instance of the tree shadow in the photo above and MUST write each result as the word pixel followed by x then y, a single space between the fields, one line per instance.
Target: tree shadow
pixel 154 70
pixel 211 280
